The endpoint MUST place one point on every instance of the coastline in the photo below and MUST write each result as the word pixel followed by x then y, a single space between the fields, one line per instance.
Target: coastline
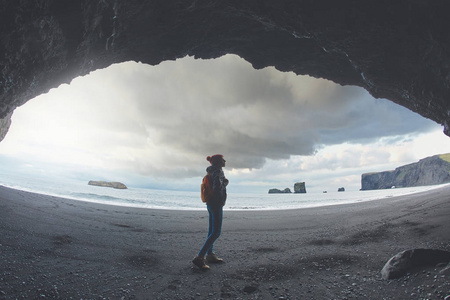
pixel 61 248
pixel 189 200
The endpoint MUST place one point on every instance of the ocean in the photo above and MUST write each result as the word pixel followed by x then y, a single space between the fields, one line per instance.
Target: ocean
pixel 188 200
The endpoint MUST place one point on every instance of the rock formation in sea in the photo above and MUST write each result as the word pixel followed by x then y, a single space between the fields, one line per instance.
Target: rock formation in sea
pixel 341 189
pixel 300 187
pixel 428 171
pixel 277 191
pixel 396 50
pixel 115 185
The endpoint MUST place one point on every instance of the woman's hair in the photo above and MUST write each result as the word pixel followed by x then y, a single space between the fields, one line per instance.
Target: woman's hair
pixel 215 159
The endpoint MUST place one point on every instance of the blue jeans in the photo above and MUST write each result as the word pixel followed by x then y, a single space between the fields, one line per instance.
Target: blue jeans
pixel 215 228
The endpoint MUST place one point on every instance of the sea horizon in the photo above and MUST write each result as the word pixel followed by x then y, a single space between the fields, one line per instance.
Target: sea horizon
pixel 190 200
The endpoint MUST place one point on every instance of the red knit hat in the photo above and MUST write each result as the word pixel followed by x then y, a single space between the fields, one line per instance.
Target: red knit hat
pixel 214 157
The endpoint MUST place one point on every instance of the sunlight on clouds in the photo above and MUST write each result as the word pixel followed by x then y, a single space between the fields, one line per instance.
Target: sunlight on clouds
pixel 239 171
pixel 348 182
pixel 162 121
pixel 380 153
pixel 430 144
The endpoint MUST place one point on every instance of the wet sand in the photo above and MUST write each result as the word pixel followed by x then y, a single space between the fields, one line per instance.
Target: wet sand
pixel 55 248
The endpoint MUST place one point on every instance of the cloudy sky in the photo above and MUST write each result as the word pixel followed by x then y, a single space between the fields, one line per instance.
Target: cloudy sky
pixel 153 126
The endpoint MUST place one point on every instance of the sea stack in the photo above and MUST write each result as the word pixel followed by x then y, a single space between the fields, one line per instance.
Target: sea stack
pixel 299 187
pixel 277 191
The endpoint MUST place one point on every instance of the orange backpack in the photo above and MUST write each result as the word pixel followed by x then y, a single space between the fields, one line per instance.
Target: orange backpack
pixel 206 191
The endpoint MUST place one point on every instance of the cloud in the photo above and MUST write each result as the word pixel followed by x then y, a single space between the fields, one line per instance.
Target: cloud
pixel 342 165
pixel 163 121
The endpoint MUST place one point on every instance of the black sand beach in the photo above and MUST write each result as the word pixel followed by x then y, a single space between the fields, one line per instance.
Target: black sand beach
pixel 55 248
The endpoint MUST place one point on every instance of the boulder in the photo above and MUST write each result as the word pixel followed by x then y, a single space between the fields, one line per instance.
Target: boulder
pixel 409 260
pixel 299 187
pixel 341 189
pixel 115 185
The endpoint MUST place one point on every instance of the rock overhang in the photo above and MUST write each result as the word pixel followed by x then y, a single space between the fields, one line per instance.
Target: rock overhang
pixel 395 50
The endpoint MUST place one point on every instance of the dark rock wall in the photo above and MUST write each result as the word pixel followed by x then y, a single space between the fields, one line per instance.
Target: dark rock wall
pixel 428 171
pixel 397 50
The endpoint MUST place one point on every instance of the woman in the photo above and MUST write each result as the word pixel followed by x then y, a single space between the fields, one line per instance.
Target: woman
pixel 215 210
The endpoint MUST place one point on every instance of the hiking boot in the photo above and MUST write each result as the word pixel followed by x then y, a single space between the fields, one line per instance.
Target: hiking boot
pixel 212 258
pixel 200 263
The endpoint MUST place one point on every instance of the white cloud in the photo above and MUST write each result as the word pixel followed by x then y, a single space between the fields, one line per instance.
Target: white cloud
pixel 161 122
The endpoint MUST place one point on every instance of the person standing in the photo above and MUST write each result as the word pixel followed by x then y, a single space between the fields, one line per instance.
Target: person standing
pixel 215 209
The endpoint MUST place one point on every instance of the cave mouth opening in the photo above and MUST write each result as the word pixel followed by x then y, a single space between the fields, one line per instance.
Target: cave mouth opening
pixel 139 121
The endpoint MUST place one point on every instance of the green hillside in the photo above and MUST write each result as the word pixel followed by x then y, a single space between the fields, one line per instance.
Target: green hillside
pixel 445 157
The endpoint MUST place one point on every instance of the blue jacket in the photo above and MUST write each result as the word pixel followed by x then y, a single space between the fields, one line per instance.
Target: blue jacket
pixel 219 185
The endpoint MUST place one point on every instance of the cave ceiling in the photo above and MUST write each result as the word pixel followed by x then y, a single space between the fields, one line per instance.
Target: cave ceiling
pixel 398 50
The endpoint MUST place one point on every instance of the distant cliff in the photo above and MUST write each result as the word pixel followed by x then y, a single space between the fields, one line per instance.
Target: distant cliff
pixel 428 171
pixel 115 185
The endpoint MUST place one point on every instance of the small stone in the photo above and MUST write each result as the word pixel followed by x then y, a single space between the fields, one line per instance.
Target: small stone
pixel 250 289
